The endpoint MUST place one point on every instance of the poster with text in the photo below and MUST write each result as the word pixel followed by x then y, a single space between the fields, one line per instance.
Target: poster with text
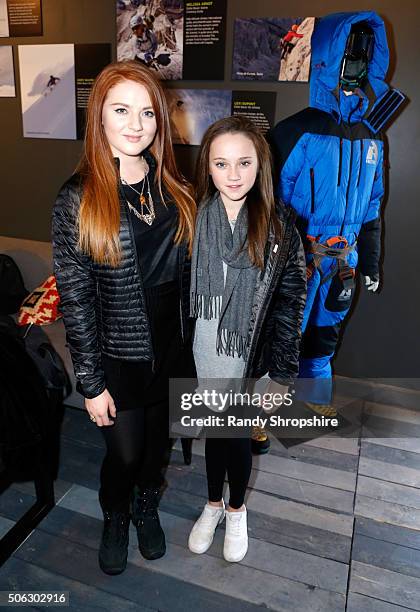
pixel 192 111
pixel 54 80
pixel 259 106
pixel 20 18
pixel 278 50
pixel 7 76
pixel 4 21
pixel 89 60
pixel 176 38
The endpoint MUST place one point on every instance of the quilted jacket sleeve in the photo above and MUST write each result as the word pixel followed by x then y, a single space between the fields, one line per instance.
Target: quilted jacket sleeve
pixel 288 142
pixel 77 289
pixel 288 314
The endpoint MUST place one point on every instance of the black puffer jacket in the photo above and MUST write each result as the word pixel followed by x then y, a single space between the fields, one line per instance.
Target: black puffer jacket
pixel 104 307
pixel 279 301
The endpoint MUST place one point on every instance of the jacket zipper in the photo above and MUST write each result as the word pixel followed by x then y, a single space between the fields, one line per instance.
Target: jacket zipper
pixel 340 162
pixel 311 171
pixel 278 265
pixel 138 270
pixel 98 292
pixel 348 187
pixel 361 162
pixel 180 270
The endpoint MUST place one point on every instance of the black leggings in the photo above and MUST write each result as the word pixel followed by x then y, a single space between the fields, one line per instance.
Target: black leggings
pixel 136 447
pixel 231 455
pixel 138 441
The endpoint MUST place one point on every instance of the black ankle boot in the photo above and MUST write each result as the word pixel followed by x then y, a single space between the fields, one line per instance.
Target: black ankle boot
pixel 146 520
pixel 114 544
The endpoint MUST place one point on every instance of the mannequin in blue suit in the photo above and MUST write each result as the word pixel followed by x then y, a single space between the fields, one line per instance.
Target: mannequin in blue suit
pixel 330 168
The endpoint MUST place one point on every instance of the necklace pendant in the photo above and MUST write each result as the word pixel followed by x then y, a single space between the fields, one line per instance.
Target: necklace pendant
pixel 148 219
pixel 145 203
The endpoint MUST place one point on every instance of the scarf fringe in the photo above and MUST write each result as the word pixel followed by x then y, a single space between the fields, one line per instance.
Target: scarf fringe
pixel 205 306
pixel 231 342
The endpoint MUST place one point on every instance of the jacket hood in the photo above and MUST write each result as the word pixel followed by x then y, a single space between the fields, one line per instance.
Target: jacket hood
pixel 328 46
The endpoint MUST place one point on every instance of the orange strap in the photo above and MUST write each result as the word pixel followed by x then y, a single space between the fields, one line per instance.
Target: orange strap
pixel 330 242
pixel 336 240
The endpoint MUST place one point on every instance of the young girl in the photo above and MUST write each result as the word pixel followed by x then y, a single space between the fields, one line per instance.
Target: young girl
pixel 248 289
pixel 122 228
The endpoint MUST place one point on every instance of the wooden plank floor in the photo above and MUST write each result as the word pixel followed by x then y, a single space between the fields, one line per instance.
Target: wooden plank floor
pixel 334 526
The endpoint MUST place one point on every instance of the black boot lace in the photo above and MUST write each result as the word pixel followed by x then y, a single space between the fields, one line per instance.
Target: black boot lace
pixel 116 526
pixel 145 505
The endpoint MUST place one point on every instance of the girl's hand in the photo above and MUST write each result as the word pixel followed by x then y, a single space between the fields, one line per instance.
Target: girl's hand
pixel 100 406
pixel 271 389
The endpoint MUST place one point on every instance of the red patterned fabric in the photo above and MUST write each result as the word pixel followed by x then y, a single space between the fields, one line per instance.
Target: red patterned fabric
pixel 41 306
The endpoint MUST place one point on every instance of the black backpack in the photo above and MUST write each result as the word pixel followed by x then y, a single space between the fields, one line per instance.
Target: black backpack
pixel 47 360
pixel 12 289
pixel 24 406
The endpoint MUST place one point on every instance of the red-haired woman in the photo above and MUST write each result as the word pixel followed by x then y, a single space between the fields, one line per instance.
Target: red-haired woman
pixel 122 235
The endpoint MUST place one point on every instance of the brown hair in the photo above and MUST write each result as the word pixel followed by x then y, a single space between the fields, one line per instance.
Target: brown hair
pixel 99 216
pixel 260 200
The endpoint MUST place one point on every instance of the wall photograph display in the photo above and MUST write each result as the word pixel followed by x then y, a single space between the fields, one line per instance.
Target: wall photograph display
pixel 192 111
pixel 7 76
pixel 4 21
pixel 20 18
pixel 176 38
pixel 55 82
pixel 279 49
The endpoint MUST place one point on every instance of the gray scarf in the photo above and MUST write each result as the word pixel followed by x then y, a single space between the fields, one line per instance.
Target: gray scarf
pixel 211 297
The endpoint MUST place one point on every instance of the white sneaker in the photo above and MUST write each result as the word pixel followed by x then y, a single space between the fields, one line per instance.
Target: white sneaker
pixel 236 536
pixel 202 534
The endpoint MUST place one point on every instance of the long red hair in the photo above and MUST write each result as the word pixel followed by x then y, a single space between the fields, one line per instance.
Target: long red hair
pixel 99 216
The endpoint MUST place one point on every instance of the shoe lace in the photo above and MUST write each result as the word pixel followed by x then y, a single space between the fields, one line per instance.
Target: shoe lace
pixel 235 523
pixel 115 527
pixel 146 504
pixel 207 517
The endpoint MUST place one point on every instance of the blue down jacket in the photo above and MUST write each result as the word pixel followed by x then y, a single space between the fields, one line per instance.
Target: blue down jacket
pixel 330 157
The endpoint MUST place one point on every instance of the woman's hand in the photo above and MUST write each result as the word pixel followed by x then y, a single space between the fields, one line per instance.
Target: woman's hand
pixel 100 406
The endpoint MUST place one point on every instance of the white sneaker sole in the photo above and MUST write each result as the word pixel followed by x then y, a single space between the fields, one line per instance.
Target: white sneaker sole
pixel 237 558
pixel 201 550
